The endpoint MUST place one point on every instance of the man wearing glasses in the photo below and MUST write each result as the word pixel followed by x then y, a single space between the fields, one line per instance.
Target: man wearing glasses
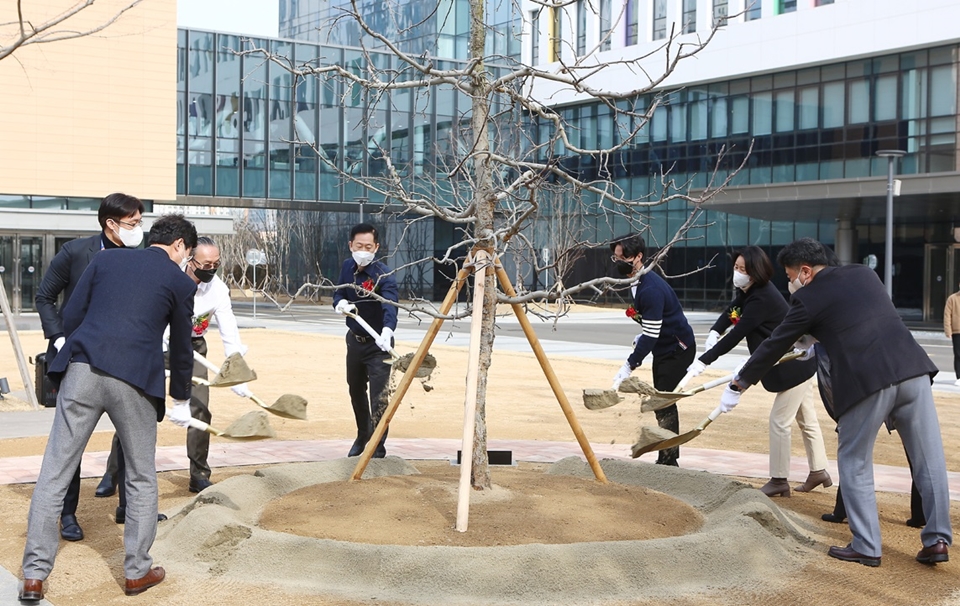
pixel 119 217
pixel 211 301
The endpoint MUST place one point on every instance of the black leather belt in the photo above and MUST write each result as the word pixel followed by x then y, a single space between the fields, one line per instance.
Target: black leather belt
pixel 360 338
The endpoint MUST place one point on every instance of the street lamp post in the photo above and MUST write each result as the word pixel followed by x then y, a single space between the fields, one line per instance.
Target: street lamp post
pixel 360 201
pixel 891 155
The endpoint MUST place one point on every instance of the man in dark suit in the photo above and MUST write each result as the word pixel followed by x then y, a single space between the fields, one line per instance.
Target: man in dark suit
pixel 119 217
pixel 112 362
pixel 879 373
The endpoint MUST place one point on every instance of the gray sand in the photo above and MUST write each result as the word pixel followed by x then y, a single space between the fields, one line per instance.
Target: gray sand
pixel 233 372
pixel 635 385
pixel 596 399
pixel 289 406
pixel 745 544
pixel 423 372
pixel 254 424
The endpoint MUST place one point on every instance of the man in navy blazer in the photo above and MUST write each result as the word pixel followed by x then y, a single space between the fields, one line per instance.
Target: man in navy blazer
pixel 119 218
pixel 879 373
pixel 112 362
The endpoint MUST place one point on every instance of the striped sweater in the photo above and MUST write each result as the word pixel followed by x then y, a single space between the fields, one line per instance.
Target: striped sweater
pixel 664 327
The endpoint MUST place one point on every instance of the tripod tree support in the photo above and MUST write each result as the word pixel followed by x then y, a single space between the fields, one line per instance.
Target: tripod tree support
pixel 17 348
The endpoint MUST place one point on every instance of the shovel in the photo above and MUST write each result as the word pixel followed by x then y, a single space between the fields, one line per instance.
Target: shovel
pixel 402 363
pixel 244 428
pixel 662 399
pixel 288 405
pixel 644 446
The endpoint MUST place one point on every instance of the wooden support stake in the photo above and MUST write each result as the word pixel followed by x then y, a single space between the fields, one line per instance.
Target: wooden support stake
pixel 17 349
pixel 551 376
pixel 481 263
pixel 410 375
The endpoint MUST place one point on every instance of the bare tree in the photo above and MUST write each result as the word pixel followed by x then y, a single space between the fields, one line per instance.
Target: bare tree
pixel 22 31
pixel 499 166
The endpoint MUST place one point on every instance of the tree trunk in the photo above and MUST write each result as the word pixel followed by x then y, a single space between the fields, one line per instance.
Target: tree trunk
pixel 485 201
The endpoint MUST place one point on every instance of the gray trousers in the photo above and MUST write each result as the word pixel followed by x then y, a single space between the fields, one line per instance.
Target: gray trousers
pixel 85 394
pixel 910 406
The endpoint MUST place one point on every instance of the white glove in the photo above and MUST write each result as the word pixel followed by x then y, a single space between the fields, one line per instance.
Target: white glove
pixel 712 339
pixel 729 399
pixel 241 390
pixel 180 413
pixel 343 306
pixel 808 353
pixel 58 344
pixel 622 374
pixel 385 341
pixel 696 368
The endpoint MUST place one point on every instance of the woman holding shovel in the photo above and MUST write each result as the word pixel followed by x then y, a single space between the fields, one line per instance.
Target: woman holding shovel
pixel 757 309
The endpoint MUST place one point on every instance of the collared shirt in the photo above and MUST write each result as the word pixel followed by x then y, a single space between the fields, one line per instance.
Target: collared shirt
pixel 213 300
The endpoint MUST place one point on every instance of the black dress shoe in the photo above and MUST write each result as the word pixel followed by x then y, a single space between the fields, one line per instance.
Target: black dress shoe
pixel 849 555
pixel 832 517
pixel 70 529
pixel 107 486
pixel 380 452
pixel 121 516
pixel 31 590
pixel 357 447
pixel 916 522
pixel 199 485
pixel 937 552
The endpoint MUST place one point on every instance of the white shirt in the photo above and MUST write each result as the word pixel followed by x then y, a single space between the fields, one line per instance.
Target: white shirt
pixel 213 299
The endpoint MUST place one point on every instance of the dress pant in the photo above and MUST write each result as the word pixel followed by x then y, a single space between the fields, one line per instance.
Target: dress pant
pixel 367 370
pixel 909 405
pixel 956 354
pixel 85 395
pixel 198 442
pixel 795 403
pixel 668 370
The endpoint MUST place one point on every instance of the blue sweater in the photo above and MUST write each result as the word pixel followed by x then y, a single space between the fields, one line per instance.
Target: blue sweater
pixel 378 315
pixel 660 315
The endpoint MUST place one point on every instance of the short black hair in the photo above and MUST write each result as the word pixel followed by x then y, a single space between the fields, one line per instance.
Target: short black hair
pixel 169 228
pixel 206 241
pixel 757 264
pixel 117 206
pixel 365 228
pixel 632 245
pixel 805 251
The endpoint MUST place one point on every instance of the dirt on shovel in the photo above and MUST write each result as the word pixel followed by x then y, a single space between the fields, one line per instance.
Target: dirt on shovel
pixel 596 399
pixel 255 425
pixel 288 406
pixel 423 372
pixel 233 372
pixel 650 436
pixel 635 385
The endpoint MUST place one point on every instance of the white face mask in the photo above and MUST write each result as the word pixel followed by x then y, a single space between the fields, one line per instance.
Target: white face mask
pixel 184 260
pixel 741 280
pixel 795 285
pixel 362 257
pixel 130 237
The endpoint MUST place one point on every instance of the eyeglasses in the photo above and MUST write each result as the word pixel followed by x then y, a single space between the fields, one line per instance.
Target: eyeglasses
pixel 207 266
pixel 615 258
pixel 129 224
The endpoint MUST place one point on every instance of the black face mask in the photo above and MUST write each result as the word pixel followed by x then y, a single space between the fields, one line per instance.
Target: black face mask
pixel 204 275
pixel 624 268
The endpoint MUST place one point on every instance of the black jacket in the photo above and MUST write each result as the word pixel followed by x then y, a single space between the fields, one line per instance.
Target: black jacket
pixel 847 309
pixel 759 311
pixel 116 318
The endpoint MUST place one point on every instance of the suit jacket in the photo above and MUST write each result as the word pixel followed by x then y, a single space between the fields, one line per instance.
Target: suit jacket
pixel 759 311
pixel 116 318
pixel 62 277
pixel 847 309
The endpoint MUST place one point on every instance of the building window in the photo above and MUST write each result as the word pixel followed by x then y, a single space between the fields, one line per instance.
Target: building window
pixel 605 25
pixel 581 28
pixel 719 10
pixel 753 10
pixel 534 37
pixel 786 6
pixel 659 19
pixel 822 2
pixel 556 33
pixel 633 20
pixel 690 16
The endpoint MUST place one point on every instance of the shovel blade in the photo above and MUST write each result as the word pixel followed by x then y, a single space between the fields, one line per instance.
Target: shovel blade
pixel 660 400
pixel 233 372
pixel 288 406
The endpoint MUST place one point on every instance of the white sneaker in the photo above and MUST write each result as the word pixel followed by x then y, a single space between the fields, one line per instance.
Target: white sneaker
pixel 957 382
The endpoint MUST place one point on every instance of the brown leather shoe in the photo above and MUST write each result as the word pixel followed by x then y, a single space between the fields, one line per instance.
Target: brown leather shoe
pixel 814 479
pixel 776 487
pixel 31 590
pixel 154 577
pixel 849 555
pixel 934 554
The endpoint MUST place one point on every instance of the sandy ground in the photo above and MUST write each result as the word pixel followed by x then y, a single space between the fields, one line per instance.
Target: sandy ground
pixel 520 406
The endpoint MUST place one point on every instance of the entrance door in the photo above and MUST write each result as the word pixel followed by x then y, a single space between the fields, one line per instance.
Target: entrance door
pixel 941 278
pixel 31 264
pixel 7 273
